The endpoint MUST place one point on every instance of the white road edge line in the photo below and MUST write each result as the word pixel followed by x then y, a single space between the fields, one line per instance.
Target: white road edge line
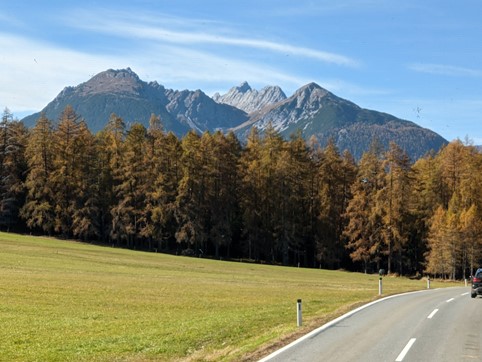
pixel 451 299
pixel 402 354
pixel 333 322
pixel 432 314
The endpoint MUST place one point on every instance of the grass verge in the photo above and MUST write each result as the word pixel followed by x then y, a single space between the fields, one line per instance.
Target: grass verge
pixel 68 301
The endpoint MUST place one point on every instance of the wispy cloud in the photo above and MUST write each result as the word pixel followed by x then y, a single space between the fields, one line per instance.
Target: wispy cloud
pixel 34 72
pixel 447 70
pixel 192 31
pixel 190 67
pixel 177 52
pixel 39 71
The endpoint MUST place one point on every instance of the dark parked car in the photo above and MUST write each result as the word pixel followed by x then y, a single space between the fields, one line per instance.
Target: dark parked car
pixel 476 284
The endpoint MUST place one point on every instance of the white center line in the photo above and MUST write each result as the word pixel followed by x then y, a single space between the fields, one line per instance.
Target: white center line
pixel 402 354
pixel 432 314
pixel 451 299
pixel 464 293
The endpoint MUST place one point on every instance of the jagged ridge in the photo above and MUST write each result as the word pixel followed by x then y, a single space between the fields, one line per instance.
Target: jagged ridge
pixel 251 100
pixel 313 110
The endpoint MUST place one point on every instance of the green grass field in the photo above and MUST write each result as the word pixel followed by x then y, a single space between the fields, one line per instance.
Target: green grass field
pixel 67 301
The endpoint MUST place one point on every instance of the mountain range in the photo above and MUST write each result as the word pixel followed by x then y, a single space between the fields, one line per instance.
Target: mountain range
pixel 311 109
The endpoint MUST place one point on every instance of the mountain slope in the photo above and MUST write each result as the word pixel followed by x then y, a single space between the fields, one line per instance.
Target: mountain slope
pixel 311 109
pixel 317 112
pixel 123 93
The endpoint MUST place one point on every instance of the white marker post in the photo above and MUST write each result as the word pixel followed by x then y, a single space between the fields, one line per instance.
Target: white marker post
pixel 380 282
pixel 298 313
pixel 428 282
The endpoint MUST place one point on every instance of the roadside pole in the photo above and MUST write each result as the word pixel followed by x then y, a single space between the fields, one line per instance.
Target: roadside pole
pixel 380 282
pixel 298 313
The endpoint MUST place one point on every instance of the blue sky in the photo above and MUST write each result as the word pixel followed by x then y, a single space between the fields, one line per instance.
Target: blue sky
pixel 418 60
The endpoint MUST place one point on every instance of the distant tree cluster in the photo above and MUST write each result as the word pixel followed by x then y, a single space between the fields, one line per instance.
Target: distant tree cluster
pixel 272 200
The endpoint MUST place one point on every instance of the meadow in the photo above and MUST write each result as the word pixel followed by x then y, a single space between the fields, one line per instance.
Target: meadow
pixel 68 301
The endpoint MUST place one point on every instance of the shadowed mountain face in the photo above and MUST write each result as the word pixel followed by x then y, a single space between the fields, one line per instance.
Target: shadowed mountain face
pixel 311 109
pixel 123 93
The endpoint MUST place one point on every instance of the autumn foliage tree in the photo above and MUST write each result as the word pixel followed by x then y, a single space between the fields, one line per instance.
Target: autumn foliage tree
pixel 272 199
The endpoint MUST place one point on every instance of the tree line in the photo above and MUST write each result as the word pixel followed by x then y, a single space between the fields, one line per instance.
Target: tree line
pixel 271 200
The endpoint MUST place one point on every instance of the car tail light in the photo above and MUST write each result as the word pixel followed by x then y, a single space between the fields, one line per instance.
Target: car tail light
pixel 476 280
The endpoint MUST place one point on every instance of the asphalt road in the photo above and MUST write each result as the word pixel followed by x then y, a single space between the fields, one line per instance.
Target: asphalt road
pixel 433 325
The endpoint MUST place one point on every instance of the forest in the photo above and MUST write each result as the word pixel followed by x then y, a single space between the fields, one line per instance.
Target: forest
pixel 270 200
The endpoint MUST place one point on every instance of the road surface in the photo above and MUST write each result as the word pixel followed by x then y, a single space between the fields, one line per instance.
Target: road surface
pixel 433 325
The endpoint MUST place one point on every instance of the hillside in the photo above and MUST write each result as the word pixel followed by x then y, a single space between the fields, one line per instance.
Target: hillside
pixel 65 301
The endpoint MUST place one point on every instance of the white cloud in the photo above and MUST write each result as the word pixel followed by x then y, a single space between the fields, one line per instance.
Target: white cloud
pixel 33 73
pixel 448 70
pixel 143 27
pixel 183 65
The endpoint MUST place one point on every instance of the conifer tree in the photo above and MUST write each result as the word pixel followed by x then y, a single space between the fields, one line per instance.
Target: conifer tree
pixel 438 255
pixel 273 190
pixel 38 210
pixel 13 169
pixel 131 189
pixel 364 229
pixel 85 218
pixel 471 230
pixel 298 217
pixel 223 189
pixel 394 202
pixel 335 177
pixel 190 201
pixel 151 161
pixel 111 158
pixel 250 199
pixel 64 177
pixel 162 199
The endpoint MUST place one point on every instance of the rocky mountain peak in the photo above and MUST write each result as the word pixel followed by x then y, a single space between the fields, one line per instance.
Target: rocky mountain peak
pixel 111 81
pixel 250 100
pixel 309 96
pixel 311 109
pixel 311 89
pixel 243 87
